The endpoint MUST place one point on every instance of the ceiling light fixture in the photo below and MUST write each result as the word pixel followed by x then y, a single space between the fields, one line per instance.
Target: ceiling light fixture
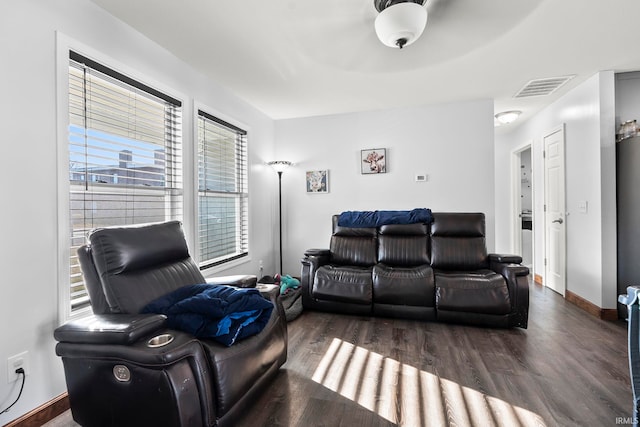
pixel 400 22
pixel 507 117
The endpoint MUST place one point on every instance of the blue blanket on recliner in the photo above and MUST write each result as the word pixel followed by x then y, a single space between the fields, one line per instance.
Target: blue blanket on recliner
pixel 224 313
pixel 378 218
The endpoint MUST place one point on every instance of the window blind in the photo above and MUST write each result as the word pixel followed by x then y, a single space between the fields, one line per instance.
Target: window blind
pixel 222 191
pixel 125 156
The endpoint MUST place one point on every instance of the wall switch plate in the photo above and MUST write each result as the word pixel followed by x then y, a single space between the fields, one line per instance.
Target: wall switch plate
pixel 14 362
pixel 582 206
pixel 422 177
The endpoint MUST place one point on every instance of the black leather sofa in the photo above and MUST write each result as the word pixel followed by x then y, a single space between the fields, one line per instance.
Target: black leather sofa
pixel 124 368
pixel 436 271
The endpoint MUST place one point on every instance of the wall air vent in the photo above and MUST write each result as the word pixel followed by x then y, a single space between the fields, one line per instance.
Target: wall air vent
pixel 542 87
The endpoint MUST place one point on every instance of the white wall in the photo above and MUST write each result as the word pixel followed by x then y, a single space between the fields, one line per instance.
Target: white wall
pixel 28 258
pixel 451 143
pixel 588 115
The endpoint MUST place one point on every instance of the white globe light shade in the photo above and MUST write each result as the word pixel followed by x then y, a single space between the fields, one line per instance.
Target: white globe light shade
pixel 507 117
pixel 401 22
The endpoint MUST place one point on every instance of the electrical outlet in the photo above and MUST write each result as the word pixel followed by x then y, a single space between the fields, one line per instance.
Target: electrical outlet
pixel 14 362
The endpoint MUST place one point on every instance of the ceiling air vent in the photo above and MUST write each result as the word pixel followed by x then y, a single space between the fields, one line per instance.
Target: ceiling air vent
pixel 542 87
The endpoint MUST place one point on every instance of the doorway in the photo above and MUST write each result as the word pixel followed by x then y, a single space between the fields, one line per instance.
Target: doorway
pixel 522 207
pixel 526 207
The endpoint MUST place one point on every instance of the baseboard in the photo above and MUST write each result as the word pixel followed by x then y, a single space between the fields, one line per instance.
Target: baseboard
pixel 537 279
pixel 591 308
pixel 43 413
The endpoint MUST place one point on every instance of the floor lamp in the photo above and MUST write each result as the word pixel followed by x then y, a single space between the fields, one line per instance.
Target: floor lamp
pixel 280 166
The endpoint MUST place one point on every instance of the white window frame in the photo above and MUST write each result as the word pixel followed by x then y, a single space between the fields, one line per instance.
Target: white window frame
pixel 207 272
pixel 64 45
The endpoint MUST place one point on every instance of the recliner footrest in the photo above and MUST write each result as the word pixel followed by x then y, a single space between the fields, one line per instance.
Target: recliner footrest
pixel 481 291
pixel 344 284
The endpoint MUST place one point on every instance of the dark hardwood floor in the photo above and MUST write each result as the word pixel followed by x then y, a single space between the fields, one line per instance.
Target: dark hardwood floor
pixel 567 369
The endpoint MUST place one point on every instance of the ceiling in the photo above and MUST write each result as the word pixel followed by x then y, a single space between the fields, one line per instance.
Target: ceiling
pixel 298 58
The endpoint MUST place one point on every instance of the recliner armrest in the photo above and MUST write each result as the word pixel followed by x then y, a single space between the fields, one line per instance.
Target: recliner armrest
pixel 313 259
pixel 317 253
pixel 507 265
pixel 316 257
pixel 121 329
pixel 506 258
pixel 516 276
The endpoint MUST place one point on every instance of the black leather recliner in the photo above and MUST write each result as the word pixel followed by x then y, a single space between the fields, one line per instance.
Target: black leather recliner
pixel 127 369
pixel 436 271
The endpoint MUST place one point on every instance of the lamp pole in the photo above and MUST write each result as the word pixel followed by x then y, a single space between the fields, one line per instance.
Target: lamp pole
pixel 280 215
pixel 280 166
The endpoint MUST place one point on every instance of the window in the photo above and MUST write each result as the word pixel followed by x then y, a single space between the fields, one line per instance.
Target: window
pixel 222 191
pixel 125 157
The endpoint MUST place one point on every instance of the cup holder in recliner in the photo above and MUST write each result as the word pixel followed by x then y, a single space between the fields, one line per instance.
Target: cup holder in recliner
pixel 160 340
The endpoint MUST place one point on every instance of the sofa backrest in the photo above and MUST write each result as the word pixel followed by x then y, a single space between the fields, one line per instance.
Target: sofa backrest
pixel 403 245
pixel 458 241
pixel 133 265
pixel 353 246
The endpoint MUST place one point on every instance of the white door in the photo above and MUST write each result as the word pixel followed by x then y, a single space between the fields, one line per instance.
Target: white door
pixel 554 205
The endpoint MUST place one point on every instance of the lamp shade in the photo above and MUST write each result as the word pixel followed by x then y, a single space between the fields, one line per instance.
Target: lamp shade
pixel 279 165
pixel 401 24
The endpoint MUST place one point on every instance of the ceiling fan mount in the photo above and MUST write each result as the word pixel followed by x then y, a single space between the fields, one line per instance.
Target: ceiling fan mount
pixel 383 4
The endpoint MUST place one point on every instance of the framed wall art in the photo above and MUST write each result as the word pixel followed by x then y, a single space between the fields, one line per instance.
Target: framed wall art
pixel 373 160
pixel 318 181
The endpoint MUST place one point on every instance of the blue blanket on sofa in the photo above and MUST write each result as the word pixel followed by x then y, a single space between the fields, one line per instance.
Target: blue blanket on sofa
pixel 224 313
pixel 378 218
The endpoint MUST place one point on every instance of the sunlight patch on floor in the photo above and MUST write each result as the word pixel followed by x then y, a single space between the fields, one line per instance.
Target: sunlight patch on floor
pixel 407 396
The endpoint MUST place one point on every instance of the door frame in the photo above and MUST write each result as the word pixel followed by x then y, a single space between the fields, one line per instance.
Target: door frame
pixel 516 202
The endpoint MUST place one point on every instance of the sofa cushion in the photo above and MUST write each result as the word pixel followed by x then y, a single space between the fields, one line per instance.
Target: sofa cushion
pixel 353 245
pixel 345 284
pixel 403 286
pixel 403 245
pixel 482 291
pixel 403 251
pixel 458 241
pixel 458 224
pixel 351 250
pixel 418 229
pixel 458 253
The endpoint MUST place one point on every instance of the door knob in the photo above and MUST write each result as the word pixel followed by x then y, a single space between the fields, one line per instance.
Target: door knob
pixel 559 220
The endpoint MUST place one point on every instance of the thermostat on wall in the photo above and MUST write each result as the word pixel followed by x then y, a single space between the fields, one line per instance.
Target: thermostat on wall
pixel 421 177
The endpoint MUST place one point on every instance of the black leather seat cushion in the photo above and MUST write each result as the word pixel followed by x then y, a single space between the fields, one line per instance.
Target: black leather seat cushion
pixel 412 286
pixel 344 284
pixel 481 291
